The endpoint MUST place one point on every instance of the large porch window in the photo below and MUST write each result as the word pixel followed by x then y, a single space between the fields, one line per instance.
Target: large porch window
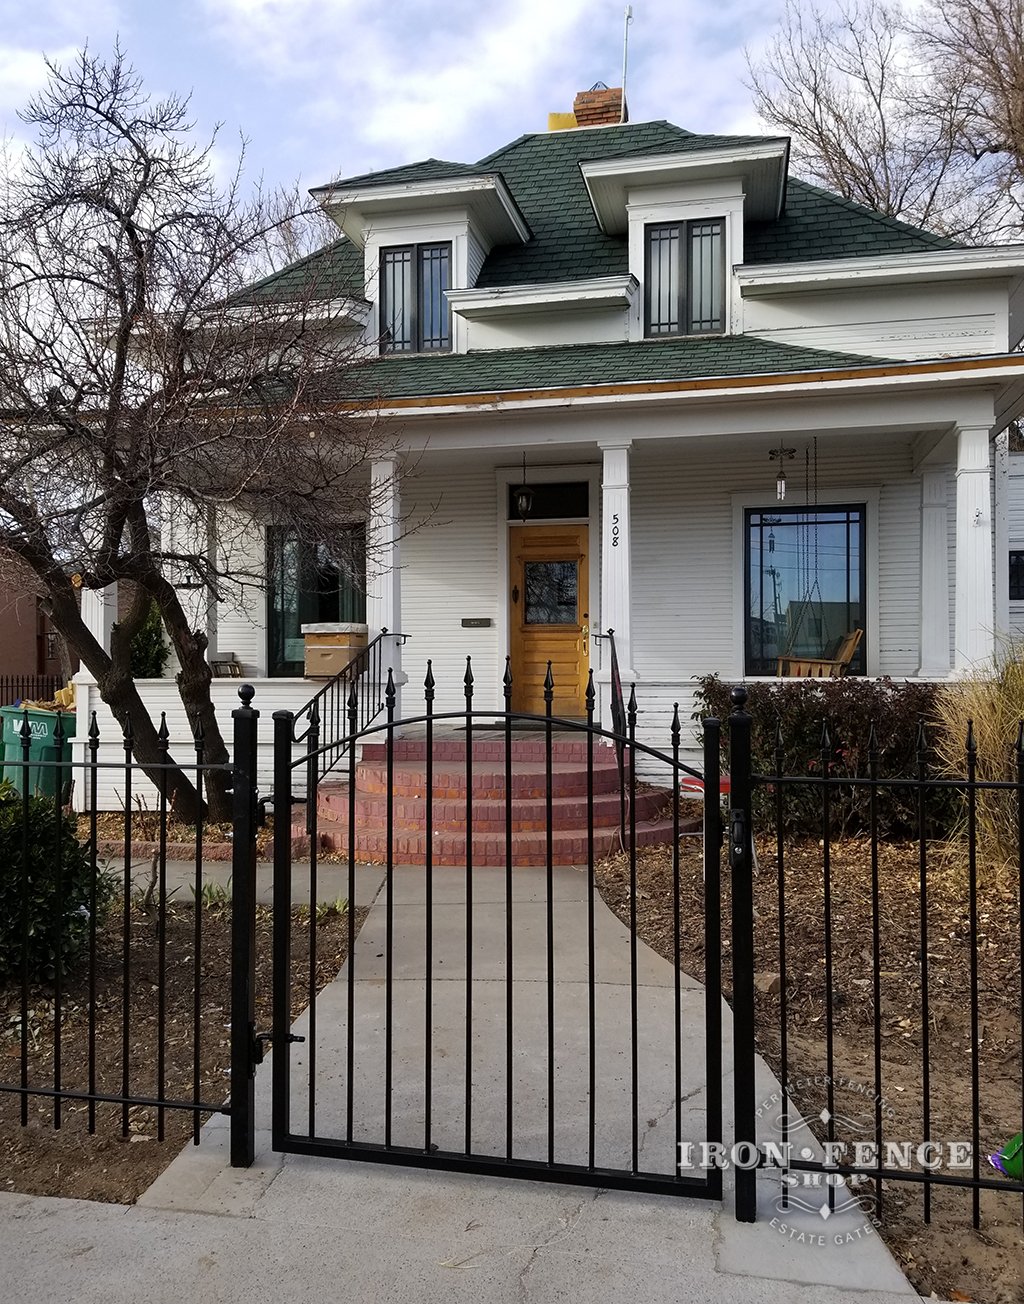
pixel 308 584
pixel 805 583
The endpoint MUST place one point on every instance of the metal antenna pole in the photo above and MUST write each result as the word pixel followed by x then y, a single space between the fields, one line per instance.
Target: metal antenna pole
pixel 625 55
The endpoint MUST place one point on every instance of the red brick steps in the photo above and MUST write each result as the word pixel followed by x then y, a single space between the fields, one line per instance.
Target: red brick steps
pixel 570 812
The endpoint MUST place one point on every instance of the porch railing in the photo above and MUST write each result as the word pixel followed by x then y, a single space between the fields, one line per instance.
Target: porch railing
pixel 323 723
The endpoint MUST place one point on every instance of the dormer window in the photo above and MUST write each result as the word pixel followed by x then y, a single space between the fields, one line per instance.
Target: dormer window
pixel 684 283
pixel 414 315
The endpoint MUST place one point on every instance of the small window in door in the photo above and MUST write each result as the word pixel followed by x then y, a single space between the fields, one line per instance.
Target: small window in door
pixel 552 588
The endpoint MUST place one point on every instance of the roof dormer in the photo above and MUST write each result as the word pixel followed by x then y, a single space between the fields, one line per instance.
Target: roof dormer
pixel 423 229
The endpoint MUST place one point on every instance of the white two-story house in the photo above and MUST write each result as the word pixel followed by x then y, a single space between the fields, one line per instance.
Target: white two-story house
pixel 659 334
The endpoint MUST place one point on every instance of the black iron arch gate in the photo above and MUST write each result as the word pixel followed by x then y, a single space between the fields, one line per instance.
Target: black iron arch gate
pixel 494 1017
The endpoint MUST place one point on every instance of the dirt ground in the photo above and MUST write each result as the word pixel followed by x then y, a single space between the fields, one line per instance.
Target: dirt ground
pixel 109 1165
pixel 946 1256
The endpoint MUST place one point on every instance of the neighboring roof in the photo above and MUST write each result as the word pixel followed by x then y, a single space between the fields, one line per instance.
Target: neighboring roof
pixel 488 371
pixel 334 272
pixel 429 169
pixel 818 224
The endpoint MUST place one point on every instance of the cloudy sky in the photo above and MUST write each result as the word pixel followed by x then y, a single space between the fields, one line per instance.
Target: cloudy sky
pixel 332 87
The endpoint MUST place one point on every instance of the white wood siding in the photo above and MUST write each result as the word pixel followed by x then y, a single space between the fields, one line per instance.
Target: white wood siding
pixel 909 322
pixel 525 330
pixel 449 572
pixel 688 577
pixel 242 615
pixel 161 695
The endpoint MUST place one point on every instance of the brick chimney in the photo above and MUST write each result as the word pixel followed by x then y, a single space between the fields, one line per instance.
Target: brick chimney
pixel 599 107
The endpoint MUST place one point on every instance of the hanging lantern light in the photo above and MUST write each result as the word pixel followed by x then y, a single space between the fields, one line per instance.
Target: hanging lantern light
pixel 782 456
pixel 523 496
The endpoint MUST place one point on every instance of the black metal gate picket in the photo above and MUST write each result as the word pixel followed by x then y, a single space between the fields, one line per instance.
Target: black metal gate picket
pixel 492 1017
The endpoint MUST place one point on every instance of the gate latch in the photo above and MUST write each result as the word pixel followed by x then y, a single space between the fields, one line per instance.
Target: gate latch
pixel 737 835
pixel 263 1039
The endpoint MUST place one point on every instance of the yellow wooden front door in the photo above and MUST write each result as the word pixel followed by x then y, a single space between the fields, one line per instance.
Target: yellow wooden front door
pixel 550 620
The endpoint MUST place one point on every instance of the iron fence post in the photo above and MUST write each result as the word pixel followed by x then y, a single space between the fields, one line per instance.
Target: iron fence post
pixel 741 863
pixel 243 933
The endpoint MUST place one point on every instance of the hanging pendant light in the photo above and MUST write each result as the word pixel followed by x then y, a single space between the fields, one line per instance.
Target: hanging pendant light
pixel 782 456
pixel 523 496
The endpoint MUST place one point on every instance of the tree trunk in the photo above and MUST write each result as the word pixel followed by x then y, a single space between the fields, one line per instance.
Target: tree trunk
pixel 118 691
pixel 193 679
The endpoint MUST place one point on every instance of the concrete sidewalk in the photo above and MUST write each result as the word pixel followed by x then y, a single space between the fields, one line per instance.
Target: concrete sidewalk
pixel 294 1228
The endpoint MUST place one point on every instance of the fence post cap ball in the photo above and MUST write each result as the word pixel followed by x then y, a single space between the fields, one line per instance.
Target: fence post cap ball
pixel 246 692
pixel 738 697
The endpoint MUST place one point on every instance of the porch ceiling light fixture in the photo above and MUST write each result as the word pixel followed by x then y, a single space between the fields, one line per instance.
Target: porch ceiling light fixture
pixel 782 456
pixel 524 496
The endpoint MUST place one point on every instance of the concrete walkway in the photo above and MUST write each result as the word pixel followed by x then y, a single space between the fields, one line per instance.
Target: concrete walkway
pixel 293 1228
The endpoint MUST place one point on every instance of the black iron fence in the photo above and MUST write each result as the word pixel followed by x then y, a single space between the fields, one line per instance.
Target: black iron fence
pixel 469 813
pixel 28 688
pixel 891 988
pixel 118 937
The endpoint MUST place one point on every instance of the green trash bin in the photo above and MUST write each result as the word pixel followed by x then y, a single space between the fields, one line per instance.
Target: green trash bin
pixel 43 771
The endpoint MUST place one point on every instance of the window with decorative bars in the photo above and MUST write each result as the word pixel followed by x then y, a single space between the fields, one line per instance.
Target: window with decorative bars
pixel 685 277
pixel 414 314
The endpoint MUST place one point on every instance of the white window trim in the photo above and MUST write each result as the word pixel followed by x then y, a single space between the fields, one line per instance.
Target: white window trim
pixel 651 207
pixel 438 228
pixel 743 502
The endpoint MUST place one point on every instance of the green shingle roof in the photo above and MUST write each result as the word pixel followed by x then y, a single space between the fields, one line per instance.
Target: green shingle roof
pixel 429 169
pixel 818 224
pixel 334 272
pixel 488 371
pixel 542 172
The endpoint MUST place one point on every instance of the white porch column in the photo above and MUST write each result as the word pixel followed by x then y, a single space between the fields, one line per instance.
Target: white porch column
pixel 383 566
pixel 934 575
pixel 975 614
pixel 99 612
pixel 1001 527
pixel 616 563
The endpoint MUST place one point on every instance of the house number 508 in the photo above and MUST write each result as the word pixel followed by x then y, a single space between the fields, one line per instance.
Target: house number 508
pixel 615 530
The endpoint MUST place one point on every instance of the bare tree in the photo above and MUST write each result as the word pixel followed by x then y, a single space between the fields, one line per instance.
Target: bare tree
pixel 858 87
pixel 143 387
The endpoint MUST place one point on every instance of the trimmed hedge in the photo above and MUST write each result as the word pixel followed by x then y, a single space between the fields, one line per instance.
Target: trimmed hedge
pixel 849 707
pixel 58 925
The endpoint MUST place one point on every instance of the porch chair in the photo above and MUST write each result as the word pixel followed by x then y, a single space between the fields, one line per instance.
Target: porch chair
pixel 823 667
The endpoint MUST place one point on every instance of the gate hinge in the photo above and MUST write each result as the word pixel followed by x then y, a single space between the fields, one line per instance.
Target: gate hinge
pixel 264 1039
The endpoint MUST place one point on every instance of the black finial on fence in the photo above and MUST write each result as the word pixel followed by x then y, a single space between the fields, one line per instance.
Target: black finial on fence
pixel 390 692
pixel 591 694
pixel 872 743
pixel 506 680
pixel 127 733
pixel 971 747
pixel 631 704
pixel 549 685
pixel 826 738
pixel 428 682
pixel 246 693
pixel 94 728
pixel 921 746
pixel 738 698
pixel 468 678
pixel 314 716
pixel 353 699
pixel 163 734
pixel 25 732
pixel 676 729
pixel 1020 737
pixel 58 731
pixel 780 742
pixel 199 733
